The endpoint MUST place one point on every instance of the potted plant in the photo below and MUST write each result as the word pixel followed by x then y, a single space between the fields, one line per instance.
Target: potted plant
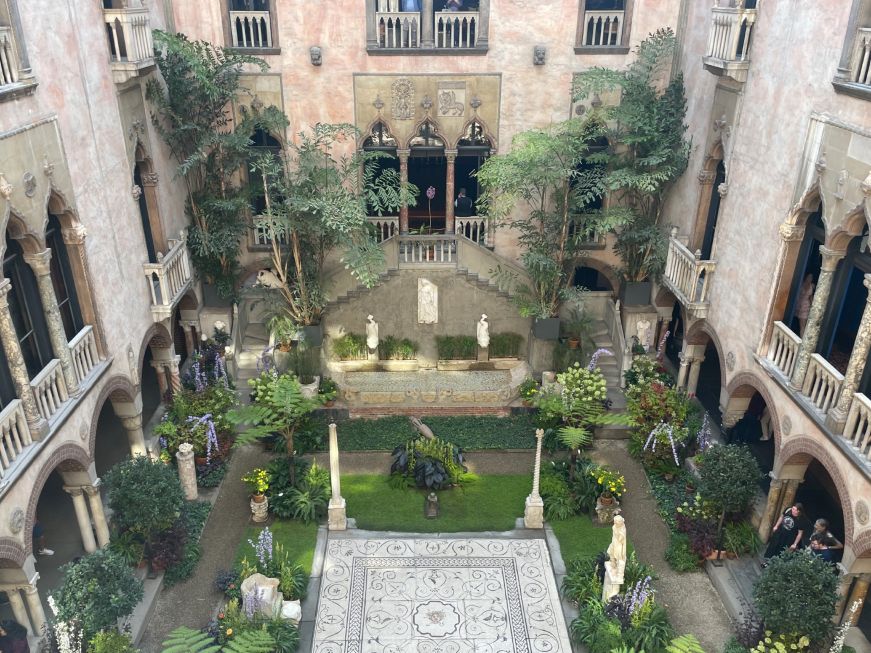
pixel 528 389
pixel 328 390
pixel 257 481
pixel 612 485
pixel 576 328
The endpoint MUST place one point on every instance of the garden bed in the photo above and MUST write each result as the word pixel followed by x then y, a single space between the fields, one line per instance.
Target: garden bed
pixel 473 365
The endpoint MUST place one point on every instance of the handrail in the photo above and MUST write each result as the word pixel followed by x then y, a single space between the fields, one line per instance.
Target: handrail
pixel 783 350
pixel 731 29
pixel 83 351
pixel 14 434
pixel 398 29
pixel 251 29
pixel 822 383
pixel 618 338
pixel 49 389
pixel 8 58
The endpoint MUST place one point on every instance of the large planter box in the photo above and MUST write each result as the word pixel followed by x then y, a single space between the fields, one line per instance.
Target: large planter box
pixel 637 293
pixel 546 328
pixel 409 365
pixel 466 365
pixel 313 335
pixel 212 298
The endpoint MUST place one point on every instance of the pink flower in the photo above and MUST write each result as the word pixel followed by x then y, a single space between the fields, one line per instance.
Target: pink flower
pixel 430 192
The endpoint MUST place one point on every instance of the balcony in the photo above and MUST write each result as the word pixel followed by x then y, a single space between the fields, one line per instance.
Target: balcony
pixel 83 351
pixel 398 30
pixel 854 76
pixel 689 277
pixel 251 30
pixel 601 32
pixel 455 29
pixel 14 436
pixel 729 40
pixel 427 251
pixel 8 58
pixel 50 391
pixel 131 50
pixel 169 279
pixel 394 32
pixel 385 226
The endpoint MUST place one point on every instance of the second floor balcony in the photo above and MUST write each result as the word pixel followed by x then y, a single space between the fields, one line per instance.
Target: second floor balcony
pixel 131 50
pixel 728 52
pixel 169 279
pixel 689 277
pixel 430 28
pixel 251 30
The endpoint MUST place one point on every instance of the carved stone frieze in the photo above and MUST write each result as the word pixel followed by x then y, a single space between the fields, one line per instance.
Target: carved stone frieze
pixel 402 99
pixel 29 183
pixel 791 232
pixel 862 512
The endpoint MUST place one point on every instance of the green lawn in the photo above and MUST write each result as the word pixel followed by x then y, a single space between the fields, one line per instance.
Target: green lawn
pixel 298 540
pixel 579 537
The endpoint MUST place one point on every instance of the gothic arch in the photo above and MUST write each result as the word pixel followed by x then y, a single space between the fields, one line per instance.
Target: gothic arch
pixel 707 176
pixel 56 203
pixel 701 333
pixel 487 132
pixel 118 388
pixel 436 132
pixel 810 201
pixel 801 450
pixel 17 227
pixel 743 386
pixel 853 224
pixel 157 336
pixel 68 457
pixel 388 127
pixel 604 269
pixel 189 302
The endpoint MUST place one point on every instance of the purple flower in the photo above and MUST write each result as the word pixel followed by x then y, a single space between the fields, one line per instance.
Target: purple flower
pixel 430 192
pixel 263 547
pixel 703 437
pixel 264 361
pixel 663 429
pixel 252 601
pixel 594 360
pixel 211 435
pixel 162 442
pixel 638 595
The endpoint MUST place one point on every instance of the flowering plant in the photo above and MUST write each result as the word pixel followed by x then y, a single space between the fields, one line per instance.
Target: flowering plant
pixel 611 482
pixel 772 643
pixel 430 196
pixel 581 386
pixel 257 480
pixel 664 434
pixel 528 389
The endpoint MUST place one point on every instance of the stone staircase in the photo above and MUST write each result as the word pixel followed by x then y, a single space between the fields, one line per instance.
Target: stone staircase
pixel 608 364
pixel 254 340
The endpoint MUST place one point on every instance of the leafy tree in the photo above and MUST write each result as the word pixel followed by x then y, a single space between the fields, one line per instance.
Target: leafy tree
pixel 546 188
pixel 193 113
pixel 278 407
pixel 96 591
pixel 728 477
pixel 647 151
pixel 145 496
pixel 317 201
pixel 797 594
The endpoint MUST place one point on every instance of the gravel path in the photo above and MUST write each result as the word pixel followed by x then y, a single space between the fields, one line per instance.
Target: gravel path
pixel 694 606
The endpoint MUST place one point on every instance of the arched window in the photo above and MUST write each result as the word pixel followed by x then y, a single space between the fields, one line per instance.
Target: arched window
pixel 808 262
pixel 62 279
pixel 26 308
pixel 379 138
pixel 427 137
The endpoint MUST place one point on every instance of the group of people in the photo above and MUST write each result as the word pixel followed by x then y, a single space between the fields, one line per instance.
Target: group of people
pixel 793 531
pixel 449 5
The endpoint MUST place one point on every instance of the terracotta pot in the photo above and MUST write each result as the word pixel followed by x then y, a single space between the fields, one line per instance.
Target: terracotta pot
pixel 574 343
pixel 606 500
pixel 330 403
pixel 200 460
pixel 258 498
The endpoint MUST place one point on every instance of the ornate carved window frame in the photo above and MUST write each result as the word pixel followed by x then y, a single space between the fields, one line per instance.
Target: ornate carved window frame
pixel 10 23
pixel 843 81
pixel 625 31
pixel 427 45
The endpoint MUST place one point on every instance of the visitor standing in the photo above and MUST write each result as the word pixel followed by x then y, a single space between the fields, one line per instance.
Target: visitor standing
pixel 39 539
pixel 463 204
pixel 805 299
pixel 410 5
pixel 788 532
pixel 823 543
pixel 454 5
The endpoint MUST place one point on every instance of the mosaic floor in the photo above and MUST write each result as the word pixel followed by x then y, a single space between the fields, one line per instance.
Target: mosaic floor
pixel 439 596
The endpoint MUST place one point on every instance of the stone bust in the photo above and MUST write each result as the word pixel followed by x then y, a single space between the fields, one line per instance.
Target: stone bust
pixel 539 53
pixel 317 56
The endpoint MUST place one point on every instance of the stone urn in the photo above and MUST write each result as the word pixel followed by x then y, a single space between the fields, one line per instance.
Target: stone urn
pixel 606 508
pixel 310 390
pixel 259 507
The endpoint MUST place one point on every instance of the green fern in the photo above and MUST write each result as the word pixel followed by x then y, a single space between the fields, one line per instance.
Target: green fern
pixel 187 640
pixel 685 644
pixel 251 641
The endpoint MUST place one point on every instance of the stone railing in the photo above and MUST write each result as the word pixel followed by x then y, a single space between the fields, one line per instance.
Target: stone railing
pixel 475 228
pixel 783 350
pixel 615 331
pixel 14 434
pixel 862 57
pixel 49 390
pixel 603 29
pixel 689 277
pixel 456 29
pixel 398 29
pixel 8 58
pixel 822 383
pixel 427 250
pixel 83 351
pixel 731 28
pixel 386 227
pixel 858 428
pixel 130 44
pixel 251 29
pixel 169 278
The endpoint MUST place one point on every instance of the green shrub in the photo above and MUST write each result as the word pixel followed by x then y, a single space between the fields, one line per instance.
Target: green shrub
pixel 797 593
pixel 351 346
pixel 653 634
pixel 679 555
pixel 433 463
pixel 457 347
pixel 401 349
pixel 96 591
pixel 733 646
pixel 741 538
pixel 192 520
pixel 505 345
pixel 581 582
pixel 110 642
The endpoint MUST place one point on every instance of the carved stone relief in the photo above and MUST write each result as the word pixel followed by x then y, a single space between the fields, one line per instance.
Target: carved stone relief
pixel 786 425
pixel 452 98
pixel 16 521
pixel 730 361
pixel 427 302
pixel 402 99
pixel 862 512
pixel 29 183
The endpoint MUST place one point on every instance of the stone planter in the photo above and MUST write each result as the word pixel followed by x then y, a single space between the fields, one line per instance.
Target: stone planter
pixel 313 335
pixel 282 359
pixel 546 328
pixel 259 508
pixel 606 508
pixel 310 390
pixel 637 293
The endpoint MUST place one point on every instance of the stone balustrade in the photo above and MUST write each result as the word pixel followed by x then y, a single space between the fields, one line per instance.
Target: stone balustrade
pixel 49 390
pixel 83 351
pixel 858 429
pixel 731 28
pixel 130 44
pixel 822 383
pixel 8 58
pixel 14 435
pixel 169 278
pixel 427 250
pixel 251 29
pixel 398 29
pixel 603 29
pixel 456 29
pixel 475 228
pixel 689 277
pixel 783 350
pixel 386 227
pixel 862 57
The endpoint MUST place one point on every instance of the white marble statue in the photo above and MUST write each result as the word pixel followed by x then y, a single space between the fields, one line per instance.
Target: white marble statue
pixel 427 302
pixel 642 328
pixel 371 333
pixel 483 332
pixel 268 279
pixel 616 564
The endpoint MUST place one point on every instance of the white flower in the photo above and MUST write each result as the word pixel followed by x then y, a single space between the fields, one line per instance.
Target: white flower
pixel 220 325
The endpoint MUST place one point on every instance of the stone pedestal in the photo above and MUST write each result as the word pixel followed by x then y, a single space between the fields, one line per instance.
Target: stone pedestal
pixel 613 581
pixel 265 589
pixel 533 513
pixel 337 519
pixel 372 354
pixel 259 510
pixel 483 354
pixel 605 512
pixel 187 472
pixel 547 378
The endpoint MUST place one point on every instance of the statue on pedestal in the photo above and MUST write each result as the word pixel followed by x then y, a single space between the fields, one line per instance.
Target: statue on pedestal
pixel 371 333
pixel 642 328
pixel 483 332
pixel 616 564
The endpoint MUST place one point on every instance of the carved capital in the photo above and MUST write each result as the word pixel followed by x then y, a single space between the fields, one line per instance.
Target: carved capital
pixel 74 235
pixel 92 490
pixel 723 190
pixel 791 232
pixel 39 262
pixel 74 491
pixel 830 258
pixel 451 155
pixel 150 179
pixel 706 177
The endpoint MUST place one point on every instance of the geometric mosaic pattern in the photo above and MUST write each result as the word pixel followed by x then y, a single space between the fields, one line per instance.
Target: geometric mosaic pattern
pixel 439 596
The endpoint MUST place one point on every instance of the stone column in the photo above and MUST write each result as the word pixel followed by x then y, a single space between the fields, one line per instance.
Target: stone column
pixel 837 417
pixel 74 239
pixel 18 609
pixel 135 434
pixel 34 606
pixel 533 513
pixel 859 593
pixel 190 345
pixel 160 367
pixel 403 180
pixel 96 503
pixel 682 370
pixel 845 582
pixel 787 498
pixel 427 36
pixel 483 35
pixel 337 516
pixel 174 377
pixel 815 317
pixel 771 506
pixel 791 236
pixel 693 376
pixel 371 28
pixel 451 156
pixel 83 518
pixel 17 368
pixel 40 263
pixel 187 472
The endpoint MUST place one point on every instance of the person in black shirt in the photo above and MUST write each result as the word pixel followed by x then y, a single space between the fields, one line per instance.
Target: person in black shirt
pixel 464 204
pixel 788 532
pixel 823 543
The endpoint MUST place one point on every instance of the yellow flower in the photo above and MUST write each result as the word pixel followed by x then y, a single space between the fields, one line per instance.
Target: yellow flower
pixel 229 632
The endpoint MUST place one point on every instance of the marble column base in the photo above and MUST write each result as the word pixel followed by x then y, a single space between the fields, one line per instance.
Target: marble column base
pixel 533 513
pixel 337 518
